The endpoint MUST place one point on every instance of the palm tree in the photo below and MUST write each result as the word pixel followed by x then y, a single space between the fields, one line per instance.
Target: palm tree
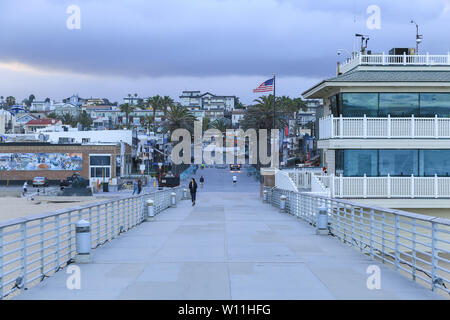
pixel 221 124
pixel 166 102
pixel 127 109
pixel 156 103
pixel 178 117
pixel 147 122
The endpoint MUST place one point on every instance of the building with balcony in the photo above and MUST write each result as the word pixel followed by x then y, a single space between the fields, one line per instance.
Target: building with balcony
pixel 385 129
pixel 195 100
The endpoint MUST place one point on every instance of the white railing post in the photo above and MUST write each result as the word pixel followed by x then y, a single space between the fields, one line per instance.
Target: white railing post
pixel 365 186
pixel 428 58
pixel 332 186
pixel 434 256
pixel 404 58
pixel 332 126
pixel 364 127
pixel 436 128
pixel 436 190
pixel 341 126
pixel 412 186
pixel 383 57
pixel 388 186
pixel 448 58
pixel 341 186
pixel 1 263
pixel 389 126
pixel 412 126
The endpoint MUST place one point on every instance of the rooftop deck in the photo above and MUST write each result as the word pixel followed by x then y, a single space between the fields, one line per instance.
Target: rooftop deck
pixel 395 60
pixel 231 245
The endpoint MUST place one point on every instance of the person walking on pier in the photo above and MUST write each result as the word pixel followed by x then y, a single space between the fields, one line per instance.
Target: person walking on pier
pixel 25 187
pixel 234 180
pixel 193 189
pixel 139 186
pixel 202 180
pixel 135 187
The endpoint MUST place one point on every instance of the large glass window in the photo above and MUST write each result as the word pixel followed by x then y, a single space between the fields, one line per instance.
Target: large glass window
pixel 432 104
pixel 399 104
pixel 100 172
pixel 434 162
pixel 100 160
pixel 360 162
pixel 359 104
pixel 398 162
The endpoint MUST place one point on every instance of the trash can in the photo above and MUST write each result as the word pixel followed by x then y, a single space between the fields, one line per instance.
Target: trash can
pixel 105 187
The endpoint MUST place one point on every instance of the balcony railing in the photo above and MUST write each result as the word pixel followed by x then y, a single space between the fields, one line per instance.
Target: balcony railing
pixel 397 60
pixel 388 127
pixel 405 187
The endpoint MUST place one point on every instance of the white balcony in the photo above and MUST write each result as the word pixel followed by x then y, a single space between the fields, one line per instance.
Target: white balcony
pixel 408 187
pixel 388 187
pixel 387 128
pixel 396 60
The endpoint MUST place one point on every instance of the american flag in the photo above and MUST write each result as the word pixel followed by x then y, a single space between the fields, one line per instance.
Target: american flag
pixel 265 86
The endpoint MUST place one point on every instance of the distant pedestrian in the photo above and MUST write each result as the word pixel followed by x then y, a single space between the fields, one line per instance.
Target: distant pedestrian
pixel 202 180
pixel 135 187
pixel 193 189
pixel 139 186
pixel 25 187
pixel 234 180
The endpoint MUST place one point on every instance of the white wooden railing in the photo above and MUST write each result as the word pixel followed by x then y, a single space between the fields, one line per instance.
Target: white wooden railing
pixel 317 182
pixel 388 127
pixel 390 187
pixel 398 60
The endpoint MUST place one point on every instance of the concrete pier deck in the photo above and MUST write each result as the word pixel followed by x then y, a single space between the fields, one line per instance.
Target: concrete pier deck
pixel 229 245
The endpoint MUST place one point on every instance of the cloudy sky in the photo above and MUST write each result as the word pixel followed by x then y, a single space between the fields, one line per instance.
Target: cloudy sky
pixel 223 46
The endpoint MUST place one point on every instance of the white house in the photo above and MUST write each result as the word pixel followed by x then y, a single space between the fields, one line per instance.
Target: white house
pixel 7 121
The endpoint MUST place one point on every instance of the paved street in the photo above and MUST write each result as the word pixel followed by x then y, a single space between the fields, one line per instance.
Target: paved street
pixel 229 246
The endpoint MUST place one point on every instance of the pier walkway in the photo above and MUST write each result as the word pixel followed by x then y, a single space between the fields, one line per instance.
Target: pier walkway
pixel 230 245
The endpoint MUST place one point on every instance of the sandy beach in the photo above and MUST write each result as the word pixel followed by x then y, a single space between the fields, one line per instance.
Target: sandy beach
pixel 13 207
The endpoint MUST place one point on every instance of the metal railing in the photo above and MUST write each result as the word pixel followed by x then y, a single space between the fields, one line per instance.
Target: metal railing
pixel 33 248
pixel 416 245
pixel 396 60
pixel 387 127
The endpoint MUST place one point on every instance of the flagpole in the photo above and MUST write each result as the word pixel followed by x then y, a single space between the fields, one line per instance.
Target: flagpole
pixel 274 101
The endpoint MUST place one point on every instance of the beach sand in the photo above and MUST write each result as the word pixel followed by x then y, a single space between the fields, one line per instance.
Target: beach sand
pixel 13 207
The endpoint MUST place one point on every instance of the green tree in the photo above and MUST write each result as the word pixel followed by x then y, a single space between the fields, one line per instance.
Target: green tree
pixel 127 109
pixel 221 124
pixel 166 103
pixel 10 101
pixel 156 102
pixel 31 98
pixel 68 119
pixel 178 117
pixel 205 123
pixel 147 122
pixel 84 119
pixel 238 104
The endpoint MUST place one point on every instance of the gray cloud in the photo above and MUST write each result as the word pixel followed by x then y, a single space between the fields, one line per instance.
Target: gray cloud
pixel 208 38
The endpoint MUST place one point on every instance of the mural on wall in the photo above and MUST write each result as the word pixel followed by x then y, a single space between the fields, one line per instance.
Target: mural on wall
pixel 40 161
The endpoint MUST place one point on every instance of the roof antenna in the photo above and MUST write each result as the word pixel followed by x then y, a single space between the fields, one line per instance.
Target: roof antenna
pixel 419 37
pixel 363 45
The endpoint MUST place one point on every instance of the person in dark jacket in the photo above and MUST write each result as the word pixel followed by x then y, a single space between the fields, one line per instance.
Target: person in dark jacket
pixel 202 180
pixel 139 186
pixel 193 189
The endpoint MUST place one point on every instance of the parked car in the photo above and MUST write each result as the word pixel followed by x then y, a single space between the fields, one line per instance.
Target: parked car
pixel 40 182
pixel 235 167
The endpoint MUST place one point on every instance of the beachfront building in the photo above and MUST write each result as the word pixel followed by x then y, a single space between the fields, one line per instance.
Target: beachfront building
pixel 35 125
pixel 385 129
pixel 195 100
pixel 7 121
pixel 98 162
